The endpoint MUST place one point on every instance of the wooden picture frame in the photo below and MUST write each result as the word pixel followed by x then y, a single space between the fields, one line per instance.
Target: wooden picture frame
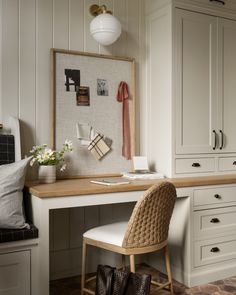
pixel 86 101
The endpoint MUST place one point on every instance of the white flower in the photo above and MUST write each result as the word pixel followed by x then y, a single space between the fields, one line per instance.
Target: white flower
pixel 68 145
pixel 63 167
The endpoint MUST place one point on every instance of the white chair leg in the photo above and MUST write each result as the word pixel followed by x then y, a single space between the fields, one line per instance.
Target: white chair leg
pixel 168 270
pixel 132 263
pixel 83 267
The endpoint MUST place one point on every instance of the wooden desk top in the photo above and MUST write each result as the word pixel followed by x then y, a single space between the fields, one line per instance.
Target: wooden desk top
pixel 75 187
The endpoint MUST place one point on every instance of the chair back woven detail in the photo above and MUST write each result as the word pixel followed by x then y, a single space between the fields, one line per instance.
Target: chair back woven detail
pixel 149 222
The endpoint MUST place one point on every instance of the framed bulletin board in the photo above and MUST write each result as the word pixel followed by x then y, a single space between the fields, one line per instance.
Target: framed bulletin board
pixel 86 111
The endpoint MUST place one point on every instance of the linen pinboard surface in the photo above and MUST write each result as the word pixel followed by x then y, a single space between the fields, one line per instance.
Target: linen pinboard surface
pixel 102 112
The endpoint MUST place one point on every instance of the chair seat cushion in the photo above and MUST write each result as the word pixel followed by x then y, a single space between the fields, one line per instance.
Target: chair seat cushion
pixel 110 233
pixel 10 235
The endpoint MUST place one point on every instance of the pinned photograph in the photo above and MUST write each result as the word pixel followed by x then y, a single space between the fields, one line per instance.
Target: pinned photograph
pixel 102 87
pixel 82 96
pixel 72 80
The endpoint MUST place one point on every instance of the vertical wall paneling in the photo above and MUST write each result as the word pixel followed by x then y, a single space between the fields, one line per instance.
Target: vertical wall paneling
pixel 27 72
pixel 61 24
pixel 90 45
pixel 110 6
pixel 44 43
pixel 120 11
pixel 76 25
pixel 92 217
pixel 1 23
pixel 142 103
pixel 76 227
pixel 60 230
pixel 29 28
pixel 10 59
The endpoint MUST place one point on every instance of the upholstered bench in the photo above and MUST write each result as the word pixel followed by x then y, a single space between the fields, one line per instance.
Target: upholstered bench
pixel 18 247
pixel 11 235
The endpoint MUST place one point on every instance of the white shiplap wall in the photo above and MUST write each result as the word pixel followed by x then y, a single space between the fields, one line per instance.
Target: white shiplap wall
pixel 29 28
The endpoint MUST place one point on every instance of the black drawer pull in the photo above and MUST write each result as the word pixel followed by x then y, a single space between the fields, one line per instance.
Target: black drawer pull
pixel 219 1
pixel 217 196
pixel 215 220
pixel 234 163
pixel 215 143
pixel 196 165
pixel 222 139
pixel 215 249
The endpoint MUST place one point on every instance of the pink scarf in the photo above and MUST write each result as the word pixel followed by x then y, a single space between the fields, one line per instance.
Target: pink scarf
pixel 122 96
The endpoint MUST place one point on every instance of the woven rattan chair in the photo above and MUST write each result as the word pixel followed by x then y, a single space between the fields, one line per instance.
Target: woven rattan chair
pixel 145 232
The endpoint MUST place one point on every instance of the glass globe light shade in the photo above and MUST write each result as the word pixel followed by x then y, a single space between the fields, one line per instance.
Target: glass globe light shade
pixel 105 29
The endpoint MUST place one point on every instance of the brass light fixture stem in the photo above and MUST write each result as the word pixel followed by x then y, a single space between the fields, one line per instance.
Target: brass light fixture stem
pixel 95 9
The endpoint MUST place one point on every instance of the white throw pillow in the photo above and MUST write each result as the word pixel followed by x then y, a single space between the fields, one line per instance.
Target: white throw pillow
pixel 12 180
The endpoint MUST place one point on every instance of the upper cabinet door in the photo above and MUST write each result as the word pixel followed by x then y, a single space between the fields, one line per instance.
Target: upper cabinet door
pixel 195 86
pixel 227 84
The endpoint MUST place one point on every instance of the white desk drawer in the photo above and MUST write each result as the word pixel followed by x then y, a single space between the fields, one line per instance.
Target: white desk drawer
pixel 196 165
pixel 15 273
pixel 211 196
pixel 213 251
pixel 227 164
pixel 214 222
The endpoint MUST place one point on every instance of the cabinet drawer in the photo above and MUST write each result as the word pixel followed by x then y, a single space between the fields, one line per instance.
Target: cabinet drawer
pixel 15 273
pixel 216 250
pixel 214 196
pixel 214 222
pixel 228 4
pixel 227 164
pixel 195 165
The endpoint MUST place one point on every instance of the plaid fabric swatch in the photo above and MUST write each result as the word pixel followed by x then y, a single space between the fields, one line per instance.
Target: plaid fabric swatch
pixel 7 149
pixel 98 147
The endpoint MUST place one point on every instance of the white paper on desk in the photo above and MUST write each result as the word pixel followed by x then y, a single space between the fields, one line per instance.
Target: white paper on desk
pixel 140 163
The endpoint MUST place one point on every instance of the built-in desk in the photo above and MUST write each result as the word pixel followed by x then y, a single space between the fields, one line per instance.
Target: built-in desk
pixel 191 263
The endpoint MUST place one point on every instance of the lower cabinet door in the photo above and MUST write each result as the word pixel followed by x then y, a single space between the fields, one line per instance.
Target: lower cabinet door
pixel 214 250
pixel 15 273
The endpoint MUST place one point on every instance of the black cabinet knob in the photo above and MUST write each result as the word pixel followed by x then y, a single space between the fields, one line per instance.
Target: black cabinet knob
pixel 215 249
pixel 215 220
pixel 234 163
pixel 196 165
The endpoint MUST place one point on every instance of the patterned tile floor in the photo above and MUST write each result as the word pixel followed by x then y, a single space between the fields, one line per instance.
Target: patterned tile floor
pixel 71 286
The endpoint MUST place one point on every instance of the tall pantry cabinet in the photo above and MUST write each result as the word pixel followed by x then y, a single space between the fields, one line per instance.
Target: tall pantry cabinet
pixel 191 86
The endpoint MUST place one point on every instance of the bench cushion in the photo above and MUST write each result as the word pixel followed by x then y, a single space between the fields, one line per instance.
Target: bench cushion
pixel 10 235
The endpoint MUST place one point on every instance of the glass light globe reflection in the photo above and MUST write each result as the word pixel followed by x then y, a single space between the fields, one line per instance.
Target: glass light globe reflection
pixel 105 29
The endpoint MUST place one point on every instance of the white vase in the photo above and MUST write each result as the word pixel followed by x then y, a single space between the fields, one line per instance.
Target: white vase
pixel 47 173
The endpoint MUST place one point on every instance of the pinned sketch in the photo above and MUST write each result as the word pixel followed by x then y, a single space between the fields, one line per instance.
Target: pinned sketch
pixel 85 133
pixel 102 87
pixel 82 96
pixel 72 80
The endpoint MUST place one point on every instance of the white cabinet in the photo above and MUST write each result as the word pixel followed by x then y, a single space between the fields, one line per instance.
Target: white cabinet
pixel 191 86
pixel 206 88
pixel 15 273
pixel 214 226
pixel 196 105
pixel 226 83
